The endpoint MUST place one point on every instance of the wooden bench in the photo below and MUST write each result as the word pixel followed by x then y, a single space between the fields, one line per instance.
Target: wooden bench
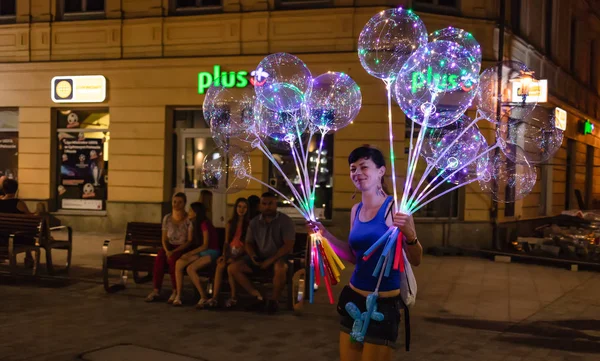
pixel 20 233
pixel 143 240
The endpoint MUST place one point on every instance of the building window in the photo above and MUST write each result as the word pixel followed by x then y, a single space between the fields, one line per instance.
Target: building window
pixel 8 8
pixel 191 7
pixel 302 4
pixel 573 46
pixel 9 142
pixel 82 158
pixel 81 9
pixel 515 16
pixel 324 187
pixel 437 6
pixel 593 66
pixel 549 30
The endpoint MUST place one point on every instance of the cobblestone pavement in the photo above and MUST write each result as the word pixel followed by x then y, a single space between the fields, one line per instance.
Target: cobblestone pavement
pixel 467 309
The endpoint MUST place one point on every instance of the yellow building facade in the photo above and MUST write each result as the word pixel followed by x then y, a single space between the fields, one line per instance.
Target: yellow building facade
pixel 151 53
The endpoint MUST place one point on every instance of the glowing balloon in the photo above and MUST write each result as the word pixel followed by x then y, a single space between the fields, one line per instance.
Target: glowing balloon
pixel 225 171
pixel 503 85
pixel 334 101
pixel 441 147
pixel 536 136
pixel 437 84
pixel 282 82
pixel 388 40
pixel 229 113
pixel 280 125
pixel 461 37
pixel 508 181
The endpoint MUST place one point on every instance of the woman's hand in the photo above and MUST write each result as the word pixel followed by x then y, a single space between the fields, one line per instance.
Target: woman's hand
pixel 406 225
pixel 312 226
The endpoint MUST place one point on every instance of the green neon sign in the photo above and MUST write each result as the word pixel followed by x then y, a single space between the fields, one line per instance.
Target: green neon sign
pixel 588 127
pixel 230 79
pixel 443 82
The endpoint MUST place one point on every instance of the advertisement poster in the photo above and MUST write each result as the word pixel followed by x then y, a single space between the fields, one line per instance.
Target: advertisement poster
pixel 82 183
pixel 9 154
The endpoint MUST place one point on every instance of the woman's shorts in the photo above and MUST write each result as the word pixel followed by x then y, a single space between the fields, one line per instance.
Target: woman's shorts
pixel 378 333
pixel 213 253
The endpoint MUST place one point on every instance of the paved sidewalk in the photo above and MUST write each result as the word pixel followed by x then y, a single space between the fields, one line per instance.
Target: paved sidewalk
pixel 467 309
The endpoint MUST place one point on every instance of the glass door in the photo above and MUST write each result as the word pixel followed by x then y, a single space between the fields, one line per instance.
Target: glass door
pixel 193 144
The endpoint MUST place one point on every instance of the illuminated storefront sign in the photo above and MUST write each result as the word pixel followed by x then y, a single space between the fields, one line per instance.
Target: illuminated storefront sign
pixel 532 91
pixel 586 127
pixel 560 118
pixel 237 79
pixel 78 89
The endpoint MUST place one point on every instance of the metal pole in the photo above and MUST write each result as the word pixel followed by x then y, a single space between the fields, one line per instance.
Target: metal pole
pixel 501 29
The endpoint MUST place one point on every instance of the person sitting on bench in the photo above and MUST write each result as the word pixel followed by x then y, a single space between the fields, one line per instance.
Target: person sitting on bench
pixel 269 240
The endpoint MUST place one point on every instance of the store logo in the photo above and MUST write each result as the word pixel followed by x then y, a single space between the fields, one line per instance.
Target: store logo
pixel 445 82
pixel 78 89
pixel 587 127
pixel 257 77
pixel 237 79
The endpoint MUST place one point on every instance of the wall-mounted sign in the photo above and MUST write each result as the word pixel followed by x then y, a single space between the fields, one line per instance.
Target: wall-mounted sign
pixel 536 91
pixel 560 118
pixel 237 79
pixel 586 127
pixel 78 89
pixel 443 82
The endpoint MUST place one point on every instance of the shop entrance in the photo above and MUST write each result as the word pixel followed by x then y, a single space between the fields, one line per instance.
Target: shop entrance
pixel 191 146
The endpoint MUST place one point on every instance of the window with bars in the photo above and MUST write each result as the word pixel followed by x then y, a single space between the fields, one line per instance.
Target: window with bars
pixel 302 4
pixel 83 6
pixel 190 7
pixel 437 6
pixel 8 8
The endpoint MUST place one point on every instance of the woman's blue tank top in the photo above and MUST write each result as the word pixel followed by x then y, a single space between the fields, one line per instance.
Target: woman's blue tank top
pixel 362 236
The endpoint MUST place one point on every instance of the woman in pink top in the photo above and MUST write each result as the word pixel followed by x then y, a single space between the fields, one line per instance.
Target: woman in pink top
pixel 233 249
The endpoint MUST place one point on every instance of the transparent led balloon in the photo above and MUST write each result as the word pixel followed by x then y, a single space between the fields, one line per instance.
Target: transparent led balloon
pixel 334 101
pixel 461 37
pixel 508 181
pixel 536 136
pixel 388 40
pixel 282 82
pixel 507 92
pixel 228 112
pixel 456 148
pixel 437 84
pixel 280 125
pixel 226 171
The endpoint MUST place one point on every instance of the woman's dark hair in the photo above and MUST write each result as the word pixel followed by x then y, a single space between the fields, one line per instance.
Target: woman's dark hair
pixel 182 196
pixel 235 218
pixel 372 153
pixel 201 217
pixel 10 186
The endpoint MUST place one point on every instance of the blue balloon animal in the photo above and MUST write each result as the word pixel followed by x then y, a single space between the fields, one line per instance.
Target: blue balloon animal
pixel 361 321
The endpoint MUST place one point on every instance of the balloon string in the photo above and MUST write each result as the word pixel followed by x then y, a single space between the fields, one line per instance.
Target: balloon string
pixel 423 196
pixel 267 153
pixel 302 185
pixel 388 87
pixel 314 185
pixel 431 166
pixel 419 206
pixel 415 159
pixel 410 155
pixel 302 212
pixel 306 154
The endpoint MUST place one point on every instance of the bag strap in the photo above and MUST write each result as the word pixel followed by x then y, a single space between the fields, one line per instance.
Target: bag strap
pixel 389 211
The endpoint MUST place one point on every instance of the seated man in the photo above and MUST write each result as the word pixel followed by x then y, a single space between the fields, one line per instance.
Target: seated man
pixel 269 240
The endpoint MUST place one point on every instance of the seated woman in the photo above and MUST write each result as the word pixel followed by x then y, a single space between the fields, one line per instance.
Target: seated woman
pixel 233 249
pixel 207 253
pixel 177 235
